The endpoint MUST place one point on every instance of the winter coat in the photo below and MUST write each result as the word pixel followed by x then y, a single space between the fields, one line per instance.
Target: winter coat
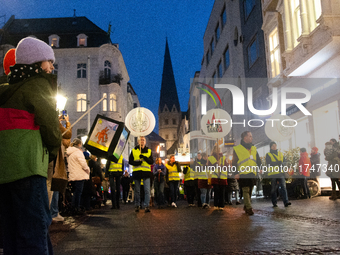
pixel 29 130
pixel 77 166
pixel 59 179
pixel 333 162
pixel 105 183
pixel 304 164
pixel 316 169
pixel 159 177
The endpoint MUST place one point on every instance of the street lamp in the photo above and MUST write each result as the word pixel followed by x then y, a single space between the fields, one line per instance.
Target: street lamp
pixel 158 148
pixel 61 102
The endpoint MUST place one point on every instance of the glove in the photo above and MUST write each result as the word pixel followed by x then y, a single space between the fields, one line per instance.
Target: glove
pixel 142 156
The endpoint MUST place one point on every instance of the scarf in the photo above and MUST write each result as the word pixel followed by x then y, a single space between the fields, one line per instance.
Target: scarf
pixel 246 145
pixel 21 72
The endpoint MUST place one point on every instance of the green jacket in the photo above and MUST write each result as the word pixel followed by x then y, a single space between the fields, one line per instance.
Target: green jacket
pixel 29 127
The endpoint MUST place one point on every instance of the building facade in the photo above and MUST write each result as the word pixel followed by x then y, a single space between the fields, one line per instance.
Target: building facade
pixel 234 53
pixel 89 67
pixel 302 46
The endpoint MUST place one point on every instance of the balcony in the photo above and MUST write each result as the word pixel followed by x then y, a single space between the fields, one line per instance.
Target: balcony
pixel 105 80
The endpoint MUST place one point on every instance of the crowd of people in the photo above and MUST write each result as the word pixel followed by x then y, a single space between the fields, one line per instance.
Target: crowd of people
pixel 39 139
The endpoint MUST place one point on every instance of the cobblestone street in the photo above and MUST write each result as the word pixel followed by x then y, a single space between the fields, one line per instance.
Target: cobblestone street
pixel 308 226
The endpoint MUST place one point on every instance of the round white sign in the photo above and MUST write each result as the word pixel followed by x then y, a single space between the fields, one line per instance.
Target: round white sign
pixel 277 130
pixel 140 121
pixel 216 123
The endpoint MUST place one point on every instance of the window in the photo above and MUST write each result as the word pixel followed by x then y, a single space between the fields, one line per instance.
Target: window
pixel 217 33
pixel 226 58
pixel 81 102
pixel 81 70
pixel 166 137
pixel 174 136
pixel 81 132
pixel 253 52
pixel 235 36
pixel 296 18
pixel 55 70
pixel 107 69
pixel 113 102
pixel 54 41
pixel 274 48
pixel 105 102
pixel 207 56
pixel 212 46
pixel 166 122
pixel 215 78
pixel 248 6
pixel 224 17
pixel 81 40
pixel 174 122
pixel 317 9
pixel 219 70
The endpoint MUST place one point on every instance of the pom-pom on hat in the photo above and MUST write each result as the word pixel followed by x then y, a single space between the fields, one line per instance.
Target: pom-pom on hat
pixel 9 60
pixel 31 50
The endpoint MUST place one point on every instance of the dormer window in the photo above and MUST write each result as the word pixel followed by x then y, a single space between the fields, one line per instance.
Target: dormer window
pixel 54 41
pixel 82 40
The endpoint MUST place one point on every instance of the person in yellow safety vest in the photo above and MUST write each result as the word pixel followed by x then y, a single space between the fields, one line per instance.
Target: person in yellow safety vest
pixel 219 177
pixel 247 162
pixel 173 170
pixel 198 162
pixel 204 179
pixel 141 160
pixel 189 182
pixel 274 161
pixel 115 172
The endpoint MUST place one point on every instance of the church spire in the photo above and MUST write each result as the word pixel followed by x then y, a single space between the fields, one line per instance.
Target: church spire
pixel 169 95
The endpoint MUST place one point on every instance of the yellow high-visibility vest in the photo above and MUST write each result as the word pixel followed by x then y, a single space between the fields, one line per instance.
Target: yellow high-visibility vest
pixel 144 166
pixel 218 173
pixel 275 170
pixel 190 175
pixel 196 172
pixel 117 167
pixel 173 172
pixel 202 173
pixel 246 163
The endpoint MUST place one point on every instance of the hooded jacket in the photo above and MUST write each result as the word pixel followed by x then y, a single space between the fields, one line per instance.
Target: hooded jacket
pixel 77 165
pixel 304 164
pixel 29 129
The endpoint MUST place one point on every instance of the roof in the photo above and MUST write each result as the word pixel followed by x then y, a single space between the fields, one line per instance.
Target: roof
pixel 66 28
pixel 153 137
pixel 169 94
pixel 173 148
pixel 185 115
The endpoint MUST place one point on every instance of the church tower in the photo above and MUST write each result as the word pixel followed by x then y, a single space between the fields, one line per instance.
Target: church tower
pixel 169 111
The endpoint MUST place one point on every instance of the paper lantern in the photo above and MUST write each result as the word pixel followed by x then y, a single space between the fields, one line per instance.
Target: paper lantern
pixel 140 121
pixel 278 131
pixel 107 138
pixel 216 123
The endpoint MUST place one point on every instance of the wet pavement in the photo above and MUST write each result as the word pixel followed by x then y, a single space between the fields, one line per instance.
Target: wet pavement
pixel 307 227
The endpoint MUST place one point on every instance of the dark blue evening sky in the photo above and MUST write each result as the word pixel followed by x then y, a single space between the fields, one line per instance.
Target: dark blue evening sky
pixel 140 28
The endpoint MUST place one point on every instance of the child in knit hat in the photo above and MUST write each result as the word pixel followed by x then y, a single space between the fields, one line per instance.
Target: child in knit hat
pixel 32 56
pixel 29 138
